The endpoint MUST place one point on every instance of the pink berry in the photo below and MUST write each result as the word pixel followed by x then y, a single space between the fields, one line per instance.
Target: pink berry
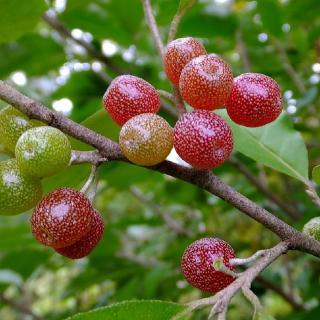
pixel 128 96
pixel 197 264
pixel 87 243
pixel 178 53
pixel 61 218
pixel 206 82
pixel 255 100
pixel 203 139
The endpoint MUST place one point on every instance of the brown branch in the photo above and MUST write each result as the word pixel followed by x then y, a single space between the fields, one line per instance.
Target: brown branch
pixel 22 308
pixel 153 26
pixel 221 300
pixel 52 20
pixel 201 178
pixel 288 209
pixel 172 224
pixel 288 67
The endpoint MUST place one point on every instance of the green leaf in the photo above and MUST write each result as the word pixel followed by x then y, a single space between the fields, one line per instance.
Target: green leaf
pixel 277 145
pixel 186 4
pixel 19 17
pixel 271 16
pixel 133 310
pixel 316 174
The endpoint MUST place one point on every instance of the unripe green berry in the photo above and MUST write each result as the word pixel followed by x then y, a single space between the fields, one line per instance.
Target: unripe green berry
pixel 18 192
pixel 312 228
pixel 43 151
pixel 13 124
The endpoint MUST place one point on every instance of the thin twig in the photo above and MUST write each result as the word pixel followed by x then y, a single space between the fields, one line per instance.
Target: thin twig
pixel 204 179
pixel 172 224
pixel 288 67
pixel 153 26
pixel 222 299
pixel 287 208
pixel 178 100
pixel 93 157
pixel 167 95
pixel 177 19
pixel 53 21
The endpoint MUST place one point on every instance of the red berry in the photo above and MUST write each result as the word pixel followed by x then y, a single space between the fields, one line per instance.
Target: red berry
pixel 197 264
pixel 206 82
pixel 87 243
pixel 203 139
pixel 128 96
pixel 62 218
pixel 178 53
pixel 255 100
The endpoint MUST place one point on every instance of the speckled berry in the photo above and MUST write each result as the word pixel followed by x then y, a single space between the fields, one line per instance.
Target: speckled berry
pixel 128 96
pixel 13 124
pixel 197 264
pixel 87 243
pixel 178 53
pixel 255 100
pixel 43 151
pixel 203 139
pixel 18 193
pixel 146 139
pixel 62 218
pixel 312 228
pixel 206 82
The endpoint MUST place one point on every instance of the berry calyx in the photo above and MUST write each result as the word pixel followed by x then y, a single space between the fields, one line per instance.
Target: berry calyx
pixel 128 96
pixel 203 139
pixel 146 139
pixel 87 243
pixel 178 53
pixel 61 218
pixel 43 151
pixel 255 100
pixel 312 228
pixel 206 82
pixel 198 260
pixel 18 193
pixel 13 124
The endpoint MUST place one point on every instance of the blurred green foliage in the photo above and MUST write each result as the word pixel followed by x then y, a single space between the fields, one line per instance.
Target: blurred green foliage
pixel 139 255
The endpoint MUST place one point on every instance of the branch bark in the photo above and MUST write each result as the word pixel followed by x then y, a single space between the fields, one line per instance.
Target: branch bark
pixel 221 300
pixel 201 178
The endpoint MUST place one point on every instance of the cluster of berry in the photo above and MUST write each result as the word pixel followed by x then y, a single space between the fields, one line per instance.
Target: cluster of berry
pixel 201 138
pixel 65 218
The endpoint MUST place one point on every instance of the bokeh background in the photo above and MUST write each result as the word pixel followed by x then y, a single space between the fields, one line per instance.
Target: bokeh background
pixel 66 60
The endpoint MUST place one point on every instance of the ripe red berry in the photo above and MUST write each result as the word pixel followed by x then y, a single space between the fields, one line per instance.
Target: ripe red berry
pixel 197 264
pixel 255 100
pixel 62 218
pixel 178 53
pixel 203 139
pixel 206 82
pixel 87 243
pixel 128 96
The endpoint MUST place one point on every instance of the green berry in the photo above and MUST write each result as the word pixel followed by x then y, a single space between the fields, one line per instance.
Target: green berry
pixel 312 228
pixel 43 151
pixel 18 192
pixel 13 124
